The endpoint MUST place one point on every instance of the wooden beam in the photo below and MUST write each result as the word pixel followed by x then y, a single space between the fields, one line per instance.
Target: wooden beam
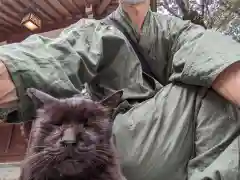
pixel 8 11
pixel 7 23
pixel 16 19
pixel 75 4
pixel 6 28
pixel 19 2
pixel 102 6
pixel 54 8
pixel 66 7
pixel 153 5
pixel 21 35
pixel 9 20
pixel 44 17
pixel 30 6
pixel 10 6
pixel 71 4
pixel 44 11
pixel 79 6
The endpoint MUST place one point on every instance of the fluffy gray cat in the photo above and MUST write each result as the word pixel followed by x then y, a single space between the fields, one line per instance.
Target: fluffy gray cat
pixel 72 139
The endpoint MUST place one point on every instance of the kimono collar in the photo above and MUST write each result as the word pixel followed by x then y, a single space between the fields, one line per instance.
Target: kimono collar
pixel 133 26
pixel 146 37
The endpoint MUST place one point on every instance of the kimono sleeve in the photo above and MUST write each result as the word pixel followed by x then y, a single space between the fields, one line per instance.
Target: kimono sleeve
pixel 86 52
pixel 199 55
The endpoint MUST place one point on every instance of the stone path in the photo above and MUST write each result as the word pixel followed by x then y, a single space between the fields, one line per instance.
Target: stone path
pixel 9 171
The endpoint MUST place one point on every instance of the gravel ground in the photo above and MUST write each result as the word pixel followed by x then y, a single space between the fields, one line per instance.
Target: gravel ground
pixel 9 171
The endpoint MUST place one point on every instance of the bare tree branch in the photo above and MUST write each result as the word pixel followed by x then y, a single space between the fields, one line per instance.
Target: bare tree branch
pixel 182 6
pixel 230 10
pixel 203 7
pixel 207 13
pixel 165 5
pixel 187 4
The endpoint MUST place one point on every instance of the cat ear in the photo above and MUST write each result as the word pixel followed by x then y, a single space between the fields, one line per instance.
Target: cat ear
pixel 113 100
pixel 39 96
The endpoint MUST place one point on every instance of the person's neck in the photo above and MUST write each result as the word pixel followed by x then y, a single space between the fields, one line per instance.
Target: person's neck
pixel 137 13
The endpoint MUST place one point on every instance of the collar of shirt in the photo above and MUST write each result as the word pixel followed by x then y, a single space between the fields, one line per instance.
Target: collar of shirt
pixel 146 37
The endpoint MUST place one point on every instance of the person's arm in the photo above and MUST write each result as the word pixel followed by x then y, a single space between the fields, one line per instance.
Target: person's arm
pixel 8 94
pixel 204 58
pixel 227 83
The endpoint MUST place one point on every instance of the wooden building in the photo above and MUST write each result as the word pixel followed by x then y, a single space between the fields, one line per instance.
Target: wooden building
pixel 54 14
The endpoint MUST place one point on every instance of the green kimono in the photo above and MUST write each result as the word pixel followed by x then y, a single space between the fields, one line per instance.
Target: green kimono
pixel 171 126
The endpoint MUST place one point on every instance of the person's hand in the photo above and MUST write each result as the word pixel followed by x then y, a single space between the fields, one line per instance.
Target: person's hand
pixel 227 83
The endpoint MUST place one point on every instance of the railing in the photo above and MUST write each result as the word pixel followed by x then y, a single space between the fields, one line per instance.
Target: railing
pixel 12 143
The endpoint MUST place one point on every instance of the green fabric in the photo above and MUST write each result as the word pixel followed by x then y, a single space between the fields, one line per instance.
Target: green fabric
pixel 176 129
pixel 80 54
pixel 182 132
pixel 181 51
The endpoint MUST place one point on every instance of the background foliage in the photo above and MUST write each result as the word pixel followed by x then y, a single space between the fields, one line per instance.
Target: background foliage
pixel 222 15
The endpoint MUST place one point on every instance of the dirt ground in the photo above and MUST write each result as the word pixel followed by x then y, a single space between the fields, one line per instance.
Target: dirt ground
pixel 9 171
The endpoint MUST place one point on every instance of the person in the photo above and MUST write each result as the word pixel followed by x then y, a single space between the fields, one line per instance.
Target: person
pixel 179 117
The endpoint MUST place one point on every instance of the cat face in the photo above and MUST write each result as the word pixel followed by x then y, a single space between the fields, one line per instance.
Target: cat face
pixel 70 138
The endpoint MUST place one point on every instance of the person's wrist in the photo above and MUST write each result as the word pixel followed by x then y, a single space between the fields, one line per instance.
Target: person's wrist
pixel 227 83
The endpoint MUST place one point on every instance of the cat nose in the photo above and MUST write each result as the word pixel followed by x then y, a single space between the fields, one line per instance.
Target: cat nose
pixel 69 137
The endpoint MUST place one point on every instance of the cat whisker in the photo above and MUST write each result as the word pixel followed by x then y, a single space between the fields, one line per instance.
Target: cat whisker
pixel 40 161
pixel 50 160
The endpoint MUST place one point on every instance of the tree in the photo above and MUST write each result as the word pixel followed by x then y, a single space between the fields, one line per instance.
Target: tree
pixel 221 15
pixel 207 13
pixel 233 29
